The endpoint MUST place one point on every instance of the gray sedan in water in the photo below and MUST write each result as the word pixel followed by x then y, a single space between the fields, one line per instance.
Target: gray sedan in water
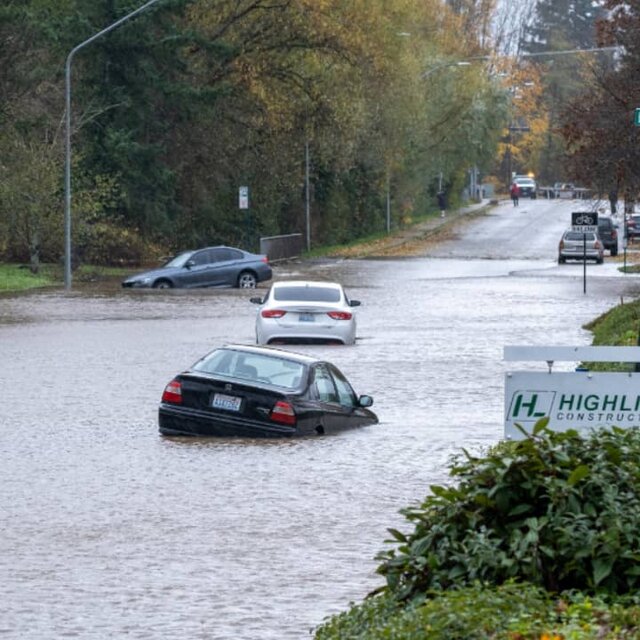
pixel 209 267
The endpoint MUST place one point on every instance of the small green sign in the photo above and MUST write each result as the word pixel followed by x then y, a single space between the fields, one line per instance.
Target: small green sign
pixel 636 117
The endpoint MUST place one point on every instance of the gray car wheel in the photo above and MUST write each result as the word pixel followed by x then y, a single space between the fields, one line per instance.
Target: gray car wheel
pixel 247 280
pixel 162 284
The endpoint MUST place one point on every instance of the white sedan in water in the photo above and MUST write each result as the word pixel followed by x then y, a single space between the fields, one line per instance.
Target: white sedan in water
pixel 305 311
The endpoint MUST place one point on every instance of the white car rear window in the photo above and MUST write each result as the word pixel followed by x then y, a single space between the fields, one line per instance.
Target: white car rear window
pixel 306 294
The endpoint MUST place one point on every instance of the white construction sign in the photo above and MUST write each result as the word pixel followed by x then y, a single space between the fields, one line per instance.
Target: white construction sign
pixel 574 400
pixel 580 400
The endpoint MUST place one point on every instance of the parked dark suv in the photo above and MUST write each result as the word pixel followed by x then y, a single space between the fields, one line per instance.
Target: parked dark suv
pixel 608 233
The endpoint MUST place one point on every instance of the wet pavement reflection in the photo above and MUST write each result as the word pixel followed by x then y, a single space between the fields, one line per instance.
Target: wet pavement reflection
pixel 110 530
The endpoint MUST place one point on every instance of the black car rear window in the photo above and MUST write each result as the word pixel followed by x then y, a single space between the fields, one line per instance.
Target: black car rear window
pixel 306 294
pixel 253 367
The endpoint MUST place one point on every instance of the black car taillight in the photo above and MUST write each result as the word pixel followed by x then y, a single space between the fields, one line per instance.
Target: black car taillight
pixel 173 393
pixel 283 412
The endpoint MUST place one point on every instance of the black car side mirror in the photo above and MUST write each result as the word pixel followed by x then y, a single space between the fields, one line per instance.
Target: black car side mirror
pixel 354 303
pixel 256 300
pixel 189 263
pixel 365 401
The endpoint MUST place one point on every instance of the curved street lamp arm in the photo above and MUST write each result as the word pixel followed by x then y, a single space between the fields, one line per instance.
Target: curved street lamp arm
pixel 67 171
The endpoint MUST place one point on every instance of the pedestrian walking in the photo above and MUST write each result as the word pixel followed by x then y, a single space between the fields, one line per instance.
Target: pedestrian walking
pixel 442 203
pixel 613 201
pixel 515 194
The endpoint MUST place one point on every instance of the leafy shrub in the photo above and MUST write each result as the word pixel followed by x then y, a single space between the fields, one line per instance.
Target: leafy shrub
pixel 508 612
pixel 557 510
pixel 107 244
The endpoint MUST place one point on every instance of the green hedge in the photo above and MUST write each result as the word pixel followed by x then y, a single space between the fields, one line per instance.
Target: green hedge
pixel 558 512
pixel 555 509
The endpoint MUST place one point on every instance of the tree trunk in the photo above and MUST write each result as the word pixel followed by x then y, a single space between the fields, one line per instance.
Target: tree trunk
pixel 34 254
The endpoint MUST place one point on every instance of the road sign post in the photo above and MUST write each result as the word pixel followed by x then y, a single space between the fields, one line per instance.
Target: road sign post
pixel 584 222
pixel 243 197
pixel 243 204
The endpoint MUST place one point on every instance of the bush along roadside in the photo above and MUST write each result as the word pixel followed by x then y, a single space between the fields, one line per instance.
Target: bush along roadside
pixel 555 514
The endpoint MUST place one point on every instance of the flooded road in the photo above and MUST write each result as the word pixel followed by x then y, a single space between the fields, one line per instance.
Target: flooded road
pixel 110 530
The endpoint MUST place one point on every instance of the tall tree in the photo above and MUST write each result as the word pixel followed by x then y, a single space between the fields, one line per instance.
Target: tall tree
pixel 598 125
pixel 176 109
pixel 560 25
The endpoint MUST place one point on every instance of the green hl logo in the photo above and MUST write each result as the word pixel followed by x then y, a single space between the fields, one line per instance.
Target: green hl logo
pixel 531 405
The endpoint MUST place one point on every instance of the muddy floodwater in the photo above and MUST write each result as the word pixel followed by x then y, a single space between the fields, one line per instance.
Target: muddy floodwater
pixel 110 530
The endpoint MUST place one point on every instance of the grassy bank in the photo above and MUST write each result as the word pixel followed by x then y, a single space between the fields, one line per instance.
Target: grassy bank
pixel 416 235
pixel 618 327
pixel 15 277
pixel 18 277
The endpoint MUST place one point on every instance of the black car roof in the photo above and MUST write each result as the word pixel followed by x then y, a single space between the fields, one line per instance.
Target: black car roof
pixel 274 352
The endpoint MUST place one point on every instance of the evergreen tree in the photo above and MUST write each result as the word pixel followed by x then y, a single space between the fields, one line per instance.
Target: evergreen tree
pixel 603 143
pixel 560 25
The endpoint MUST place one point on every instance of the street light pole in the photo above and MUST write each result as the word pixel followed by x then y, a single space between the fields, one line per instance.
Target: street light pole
pixel 67 164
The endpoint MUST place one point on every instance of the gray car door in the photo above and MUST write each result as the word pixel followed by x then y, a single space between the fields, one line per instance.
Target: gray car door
pixel 222 269
pixel 195 275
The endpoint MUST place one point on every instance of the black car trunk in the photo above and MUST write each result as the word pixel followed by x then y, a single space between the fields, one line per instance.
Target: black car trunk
pixel 229 397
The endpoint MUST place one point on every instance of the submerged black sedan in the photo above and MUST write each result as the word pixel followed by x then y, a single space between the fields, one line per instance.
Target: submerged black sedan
pixel 249 391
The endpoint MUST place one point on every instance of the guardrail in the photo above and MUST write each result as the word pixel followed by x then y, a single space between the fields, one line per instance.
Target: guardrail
pixel 577 193
pixel 284 247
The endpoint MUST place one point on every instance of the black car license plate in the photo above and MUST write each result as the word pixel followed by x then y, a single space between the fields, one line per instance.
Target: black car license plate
pixel 223 401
